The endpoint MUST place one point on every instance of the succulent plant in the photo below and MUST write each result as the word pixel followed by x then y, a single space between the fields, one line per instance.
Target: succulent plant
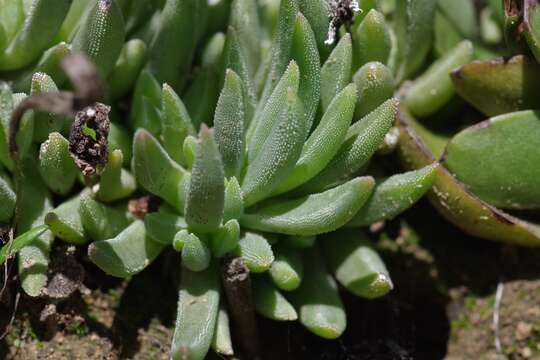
pixel 242 134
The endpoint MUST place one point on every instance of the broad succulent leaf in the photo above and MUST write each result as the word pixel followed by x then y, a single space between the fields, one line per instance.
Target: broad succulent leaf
pixel 126 254
pixel 499 86
pixel 484 157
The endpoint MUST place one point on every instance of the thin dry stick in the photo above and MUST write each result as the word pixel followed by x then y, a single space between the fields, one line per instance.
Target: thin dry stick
pixel 12 319
pixel 237 286
pixel 496 308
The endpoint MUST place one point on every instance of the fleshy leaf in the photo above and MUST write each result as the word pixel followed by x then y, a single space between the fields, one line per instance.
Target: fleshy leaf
pixel 324 142
pixel 394 195
pixel 497 160
pixel 126 254
pixel 434 88
pixel 499 85
pixel 206 191
pixel 36 34
pixel 116 183
pixel 336 71
pixel 100 221
pixel 371 40
pixel 198 305
pixel 229 124
pixel 460 207
pixel 287 269
pixel 375 85
pixel 256 252
pixel 356 265
pixel 101 35
pixel 56 165
pixel 313 214
pixel 279 153
pixel 270 303
pixel 317 299
pixel 157 172
pixel 361 142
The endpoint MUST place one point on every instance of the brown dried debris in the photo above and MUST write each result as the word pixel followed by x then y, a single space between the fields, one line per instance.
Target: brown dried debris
pixel 340 12
pixel 143 205
pixel 88 142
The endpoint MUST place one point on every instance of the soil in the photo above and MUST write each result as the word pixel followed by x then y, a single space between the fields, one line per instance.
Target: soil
pixel 441 309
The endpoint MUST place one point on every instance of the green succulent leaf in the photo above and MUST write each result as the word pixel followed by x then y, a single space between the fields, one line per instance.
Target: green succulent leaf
pixel 40 26
pixel 336 71
pixel 313 214
pixel 126 254
pixel 414 32
pixel 356 265
pixel 100 221
pixel 531 22
pixel 245 20
pixel 65 222
pixel 172 50
pixel 394 195
pixel 206 191
pixel 462 15
pixel 279 153
pixel 324 142
pixel 269 302
pixel 371 40
pixel 287 269
pixel 375 85
pixel 202 95
pixel 56 165
pixel 116 183
pixel 304 52
pixel 162 227
pixel 316 12
pixel 6 107
pixel 156 172
pixel 196 255
pixel 33 202
pixel 317 299
pixel 222 342
pixel 49 64
pixel 127 68
pixel 176 124
pixel 7 200
pixel 434 88
pixel 44 123
pixel 281 47
pixel 361 142
pixel 446 36
pixel 226 238
pixel 262 125
pixel 120 139
pixel 452 200
pixel 256 252
pixel 197 312
pixel 235 59
pixel 497 160
pixel 499 85
pixel 146 102
pixel 234 203
pixel 229 124
pixel 188 149
pixel 101 35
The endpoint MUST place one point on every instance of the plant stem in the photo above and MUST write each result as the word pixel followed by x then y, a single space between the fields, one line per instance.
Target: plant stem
pixel 237 285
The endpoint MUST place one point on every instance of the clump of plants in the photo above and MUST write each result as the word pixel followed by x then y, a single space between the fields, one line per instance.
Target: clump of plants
pixel 256 139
